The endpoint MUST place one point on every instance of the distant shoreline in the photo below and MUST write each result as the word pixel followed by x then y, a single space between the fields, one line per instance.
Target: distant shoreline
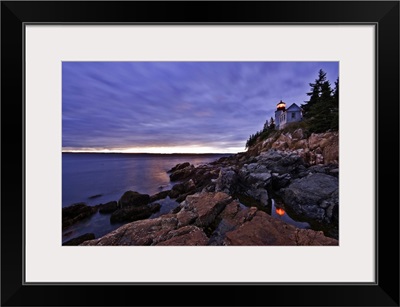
pixel 150 154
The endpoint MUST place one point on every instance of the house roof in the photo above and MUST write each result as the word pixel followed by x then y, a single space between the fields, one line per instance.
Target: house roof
pixel 294 107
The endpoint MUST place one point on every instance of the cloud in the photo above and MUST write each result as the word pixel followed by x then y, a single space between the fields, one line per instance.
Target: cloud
pixel 216 104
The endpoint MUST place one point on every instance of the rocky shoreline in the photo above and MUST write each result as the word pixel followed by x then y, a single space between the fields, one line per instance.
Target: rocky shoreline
pixel 228 201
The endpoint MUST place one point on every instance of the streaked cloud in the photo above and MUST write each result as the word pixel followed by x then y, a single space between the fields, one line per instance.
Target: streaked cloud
pixel 212 105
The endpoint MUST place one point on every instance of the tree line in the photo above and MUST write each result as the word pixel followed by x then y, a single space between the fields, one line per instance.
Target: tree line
pixel 321 111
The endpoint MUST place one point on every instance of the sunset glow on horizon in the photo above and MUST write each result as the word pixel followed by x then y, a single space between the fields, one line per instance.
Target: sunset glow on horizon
pixel 158 150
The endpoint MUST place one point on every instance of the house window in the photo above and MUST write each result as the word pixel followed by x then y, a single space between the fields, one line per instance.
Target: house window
pixel 293 115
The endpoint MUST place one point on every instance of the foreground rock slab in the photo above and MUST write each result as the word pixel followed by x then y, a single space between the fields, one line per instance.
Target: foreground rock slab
pixel 212 218
pixel 79 240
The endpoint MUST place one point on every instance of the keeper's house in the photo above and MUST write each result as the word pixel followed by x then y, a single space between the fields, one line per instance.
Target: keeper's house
pixel 285 116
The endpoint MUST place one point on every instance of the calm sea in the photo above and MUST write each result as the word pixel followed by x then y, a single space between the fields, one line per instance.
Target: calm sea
pixel 97 178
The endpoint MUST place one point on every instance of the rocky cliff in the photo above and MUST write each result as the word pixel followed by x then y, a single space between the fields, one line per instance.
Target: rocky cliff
pixel 321 148
pixel 229 201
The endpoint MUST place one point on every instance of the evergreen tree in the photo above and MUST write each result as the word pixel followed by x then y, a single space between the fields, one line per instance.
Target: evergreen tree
pixel 315 94
pixel 266 125
pixel 326 91
pixel 335 106
pixel 322 110
pixel 271 123
pixel 336 91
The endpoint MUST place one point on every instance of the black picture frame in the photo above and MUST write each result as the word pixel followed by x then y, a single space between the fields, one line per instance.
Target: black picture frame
pixel 383 14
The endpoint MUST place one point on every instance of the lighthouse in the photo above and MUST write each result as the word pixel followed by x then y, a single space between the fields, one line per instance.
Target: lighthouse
pixel 284 116
pixel 280 114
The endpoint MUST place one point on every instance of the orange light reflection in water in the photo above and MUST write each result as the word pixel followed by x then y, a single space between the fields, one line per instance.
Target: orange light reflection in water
pixel 280 211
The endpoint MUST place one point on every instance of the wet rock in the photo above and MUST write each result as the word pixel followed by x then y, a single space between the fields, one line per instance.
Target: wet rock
pixel 204 177
pixel 181 173
pixel 311 195
pixel 159 195
pixel 318 169
pixel 207 206
pixel 109 207
pixel 76 213
pixel 260 194
pixel 179 167
pixel 225 221
pixel 281 162
pixel 134 213
pixel 132 198
pixel 230 219
pixel 262 229
pixel 79 240
pixel 334 172
pixel 181 190
pixel 143 232
pixel 280 181
pixel 227 180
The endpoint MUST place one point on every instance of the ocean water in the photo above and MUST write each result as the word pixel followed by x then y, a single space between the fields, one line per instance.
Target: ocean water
pixel 95 178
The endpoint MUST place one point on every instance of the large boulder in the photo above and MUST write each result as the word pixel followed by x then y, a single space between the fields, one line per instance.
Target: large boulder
pixel 313 197
pixel 181 172
pixel 183 188
pixel 204 176
pixel 76 213
pixel 254 180
pixel 132 198
pixel 143 232
pixel 227 180
pixel 205 206
pixel 280 162
pixel 262 229
pixel 109 207
pixel 159 195
pixel 231 218
pixel 179 167
pixel 280 181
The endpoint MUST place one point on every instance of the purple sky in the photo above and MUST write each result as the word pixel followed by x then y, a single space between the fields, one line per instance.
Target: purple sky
pixel 177 106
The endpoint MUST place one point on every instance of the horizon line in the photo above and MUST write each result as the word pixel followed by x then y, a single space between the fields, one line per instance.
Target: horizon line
pixel 152 153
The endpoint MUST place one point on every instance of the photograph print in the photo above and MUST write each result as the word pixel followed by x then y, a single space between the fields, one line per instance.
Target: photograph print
pixel 199 153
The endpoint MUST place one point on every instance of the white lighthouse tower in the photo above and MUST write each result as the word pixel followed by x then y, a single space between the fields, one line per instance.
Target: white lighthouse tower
pixel 280 114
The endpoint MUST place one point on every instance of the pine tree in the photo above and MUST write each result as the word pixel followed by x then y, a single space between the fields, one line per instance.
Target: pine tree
pixel 326 91
pixel 271 123
pixel 336 91
pixel 266 125
pixel 322 110
pixel 315 94
pixel 335 106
